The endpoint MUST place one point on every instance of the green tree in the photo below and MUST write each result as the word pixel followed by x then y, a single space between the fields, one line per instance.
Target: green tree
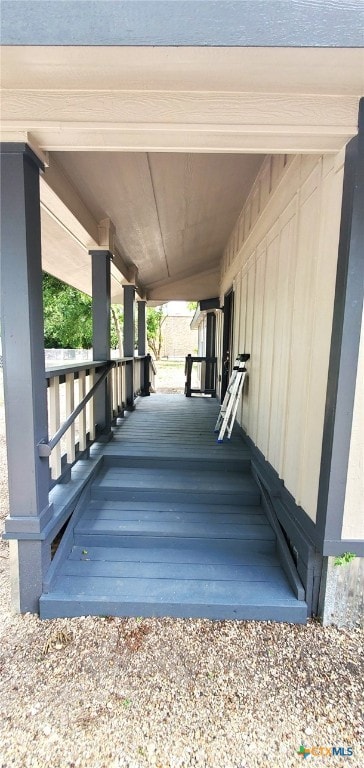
pixel 155 319
pixel 192 305
pixel 68 317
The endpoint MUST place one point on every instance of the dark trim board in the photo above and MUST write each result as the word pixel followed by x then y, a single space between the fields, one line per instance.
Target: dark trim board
pixel 298 529
pixel 206 304
pixel 337 547
pixel 305 526
pixel 295 521
pixel 345 341
pixel 250 23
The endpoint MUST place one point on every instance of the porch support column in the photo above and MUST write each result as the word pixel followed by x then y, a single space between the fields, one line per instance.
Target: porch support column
pixel 342 376
pixel 24 373
pixel 345 340
pixel 142 328
pixel 210 382
pixel 101 261
pixel 142 348
pixel 129 343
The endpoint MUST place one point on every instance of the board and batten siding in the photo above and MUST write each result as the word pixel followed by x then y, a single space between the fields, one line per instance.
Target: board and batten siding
pixel 353 522
pixel 281 260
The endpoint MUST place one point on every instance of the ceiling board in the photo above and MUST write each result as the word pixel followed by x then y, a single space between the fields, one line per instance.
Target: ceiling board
pixel 173 213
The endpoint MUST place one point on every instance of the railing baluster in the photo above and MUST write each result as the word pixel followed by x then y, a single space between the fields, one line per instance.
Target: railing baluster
pixel 120 386
pixel 82 417
pixel 70 404
pixel 91 407
pixel 123 376
pixel 54 424
pixel 114 392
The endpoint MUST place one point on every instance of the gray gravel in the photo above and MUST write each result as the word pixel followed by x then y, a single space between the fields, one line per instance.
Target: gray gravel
pixel 173 693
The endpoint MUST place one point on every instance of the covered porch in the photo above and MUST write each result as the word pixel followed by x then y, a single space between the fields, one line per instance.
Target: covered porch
pixel 226 176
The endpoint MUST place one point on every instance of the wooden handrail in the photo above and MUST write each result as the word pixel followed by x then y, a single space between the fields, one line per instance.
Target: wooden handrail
pixel 85 365
pixel 45 448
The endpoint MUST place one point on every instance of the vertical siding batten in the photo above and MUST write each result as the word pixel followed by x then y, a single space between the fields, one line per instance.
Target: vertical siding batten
pixel 302 324
pixel 267 339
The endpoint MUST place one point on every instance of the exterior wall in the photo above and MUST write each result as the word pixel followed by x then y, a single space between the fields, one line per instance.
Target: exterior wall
pixel 353 523
pixel 178 338
pixel 281 260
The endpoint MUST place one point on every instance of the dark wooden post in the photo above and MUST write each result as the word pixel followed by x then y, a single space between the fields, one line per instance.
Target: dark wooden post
pixel 146 376
pixel 142 328
pixel 24 373
pixel 188 371
pixel 101 260
pixel 345 343
pixel 142 348
pixel 210 351
pixel 129 342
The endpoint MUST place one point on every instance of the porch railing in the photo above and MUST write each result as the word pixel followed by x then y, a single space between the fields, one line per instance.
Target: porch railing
pixel 71 406
pixel 200 376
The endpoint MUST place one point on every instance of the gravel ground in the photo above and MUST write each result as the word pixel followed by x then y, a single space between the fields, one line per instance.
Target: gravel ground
pixel 173 693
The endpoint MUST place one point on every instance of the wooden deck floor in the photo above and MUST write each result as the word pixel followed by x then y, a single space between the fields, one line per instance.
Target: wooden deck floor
pixel 175 426
pixel 172 526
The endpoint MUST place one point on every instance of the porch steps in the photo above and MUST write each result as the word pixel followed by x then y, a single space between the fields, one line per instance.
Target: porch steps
pixel 170 537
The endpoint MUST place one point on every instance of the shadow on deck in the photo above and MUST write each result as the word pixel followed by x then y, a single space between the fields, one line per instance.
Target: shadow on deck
pixel 172 524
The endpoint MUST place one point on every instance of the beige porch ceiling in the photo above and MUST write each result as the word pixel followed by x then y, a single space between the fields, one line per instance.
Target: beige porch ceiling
pixel 173 214
pixel 165 143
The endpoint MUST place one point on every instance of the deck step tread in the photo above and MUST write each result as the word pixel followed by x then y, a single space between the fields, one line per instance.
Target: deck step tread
pixel 110 505
pixel 62 605
pixel 166 479
pixel 208 529
pixel 122 540
pixel 146 590
pixel 165 515
pixel 86 567
pixel 225 552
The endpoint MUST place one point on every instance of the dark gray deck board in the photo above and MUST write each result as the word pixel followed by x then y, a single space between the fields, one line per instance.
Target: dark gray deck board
pixel 226 552
pixel 184 528
pixel 62 605
pixel 187 591
pixel 200 544
pixel 166 516
pixel 196 572
pixel 121 507
pixel 176 479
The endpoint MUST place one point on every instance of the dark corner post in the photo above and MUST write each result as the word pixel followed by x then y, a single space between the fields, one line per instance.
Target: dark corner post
pixel 210 381
pixel 129 342
pixel 345 340
pixel 142 328
pixel 142 348
pixel 101 262
pixel 24 373
pixel 188 372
